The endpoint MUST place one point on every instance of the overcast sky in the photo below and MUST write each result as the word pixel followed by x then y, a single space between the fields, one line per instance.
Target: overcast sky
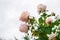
pixel 10 11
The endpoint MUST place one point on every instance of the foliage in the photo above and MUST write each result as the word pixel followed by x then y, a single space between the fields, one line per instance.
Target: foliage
pixel 42 28
pixel 26 38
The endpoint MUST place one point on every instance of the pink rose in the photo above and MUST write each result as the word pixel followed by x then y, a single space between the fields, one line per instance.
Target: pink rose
pixel 24 16
pixel 41 8
pixel 48 21
pixel 23 27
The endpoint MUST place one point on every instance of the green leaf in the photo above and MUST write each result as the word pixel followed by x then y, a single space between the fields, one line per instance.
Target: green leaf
pixel 57 22
pixel 44 14
pixel 26 38
pixel 40 20
pixel 48 30
pixel 31 21
pixel 42 38
pixel 58 36
pixel 32 28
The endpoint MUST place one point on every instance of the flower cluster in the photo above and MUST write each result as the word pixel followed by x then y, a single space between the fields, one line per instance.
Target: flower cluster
pixel 24 19
pixel 45 28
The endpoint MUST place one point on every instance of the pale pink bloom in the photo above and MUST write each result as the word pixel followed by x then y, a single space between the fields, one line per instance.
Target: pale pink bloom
pixel 52 36
pixel 24 16
pixel 41 8
pixel 48 20
pixel 23 27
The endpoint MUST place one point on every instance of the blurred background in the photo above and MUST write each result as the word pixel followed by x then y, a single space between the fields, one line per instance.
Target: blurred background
pixel 10 11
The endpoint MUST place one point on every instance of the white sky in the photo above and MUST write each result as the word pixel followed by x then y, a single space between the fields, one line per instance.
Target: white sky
pixel 10 11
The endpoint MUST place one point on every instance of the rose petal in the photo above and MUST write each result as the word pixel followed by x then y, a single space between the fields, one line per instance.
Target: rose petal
pixel 48 21
pixel 24 16
pixel 23 28
pixel 41 8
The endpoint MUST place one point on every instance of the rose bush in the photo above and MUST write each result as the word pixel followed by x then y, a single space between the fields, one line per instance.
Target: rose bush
pixel 45 28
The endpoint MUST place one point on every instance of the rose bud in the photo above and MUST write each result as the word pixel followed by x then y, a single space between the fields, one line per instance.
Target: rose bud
pixel 52 14
pixel 23 27
pixel 41 8
pixel 24 16
pixel 48 21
